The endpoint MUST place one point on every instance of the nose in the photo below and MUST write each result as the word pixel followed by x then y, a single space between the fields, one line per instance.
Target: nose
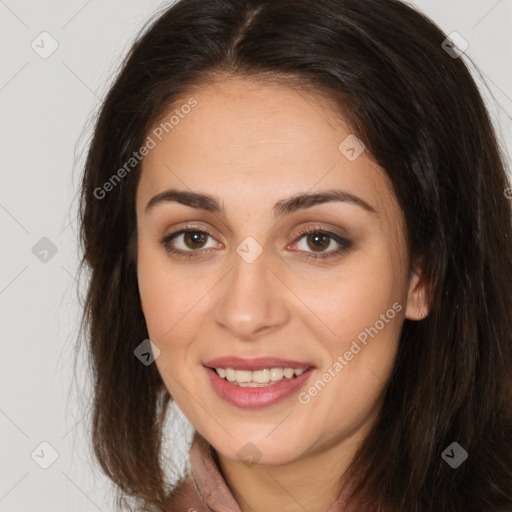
pixel 252 300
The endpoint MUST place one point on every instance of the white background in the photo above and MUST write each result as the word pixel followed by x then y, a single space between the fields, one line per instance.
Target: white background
pixel 47 107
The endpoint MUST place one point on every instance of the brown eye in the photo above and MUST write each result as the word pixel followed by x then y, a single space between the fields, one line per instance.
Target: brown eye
pixel 314 242
pixel 187 242
pixel 318 241
pixel 194 239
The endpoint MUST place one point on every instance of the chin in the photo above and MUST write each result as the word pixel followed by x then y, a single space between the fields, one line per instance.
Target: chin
pixel 256 450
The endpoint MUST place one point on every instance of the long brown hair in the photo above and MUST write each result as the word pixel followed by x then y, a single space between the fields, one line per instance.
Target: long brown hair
pixel 418 111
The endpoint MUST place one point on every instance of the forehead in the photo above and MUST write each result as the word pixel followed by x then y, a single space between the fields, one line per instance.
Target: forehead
pixel 252 141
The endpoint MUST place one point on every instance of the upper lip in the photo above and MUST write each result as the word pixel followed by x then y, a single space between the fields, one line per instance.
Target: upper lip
pixel 257 363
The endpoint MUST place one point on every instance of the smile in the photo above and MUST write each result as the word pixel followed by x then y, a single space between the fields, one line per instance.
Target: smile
pixel 258 378
pixel 252 394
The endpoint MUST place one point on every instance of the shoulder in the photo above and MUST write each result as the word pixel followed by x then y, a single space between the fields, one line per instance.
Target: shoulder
pixel 185 497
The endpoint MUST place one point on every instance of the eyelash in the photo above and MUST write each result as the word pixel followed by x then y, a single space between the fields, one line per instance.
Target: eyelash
pixel 345 244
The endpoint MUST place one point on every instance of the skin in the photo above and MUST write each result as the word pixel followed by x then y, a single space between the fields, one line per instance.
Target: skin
pixel 252 144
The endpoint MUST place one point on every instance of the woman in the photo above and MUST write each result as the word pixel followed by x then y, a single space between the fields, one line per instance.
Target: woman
pixel 296 222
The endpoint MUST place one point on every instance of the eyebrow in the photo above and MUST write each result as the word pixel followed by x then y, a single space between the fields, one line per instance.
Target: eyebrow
pixel 282 208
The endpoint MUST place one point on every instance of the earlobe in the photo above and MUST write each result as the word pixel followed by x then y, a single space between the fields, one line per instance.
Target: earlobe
pixel 417 307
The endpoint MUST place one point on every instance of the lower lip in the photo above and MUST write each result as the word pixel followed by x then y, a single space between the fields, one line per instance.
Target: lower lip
pixel 254 397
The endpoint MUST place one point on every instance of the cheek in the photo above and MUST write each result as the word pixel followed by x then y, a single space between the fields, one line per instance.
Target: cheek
pixel 174 303
pixel 353 299
pixel 363 310
pixel 162 292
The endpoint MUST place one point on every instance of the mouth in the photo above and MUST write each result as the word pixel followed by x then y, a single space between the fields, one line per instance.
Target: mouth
pixel 252 383
pixel 258 378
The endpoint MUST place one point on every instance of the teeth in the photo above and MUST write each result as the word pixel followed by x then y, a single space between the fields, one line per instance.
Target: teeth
pixel 243 376
pixel 258 378
pixel 276 374
pixel 288 373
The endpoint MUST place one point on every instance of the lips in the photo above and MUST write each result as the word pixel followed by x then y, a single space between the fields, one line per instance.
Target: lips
pixel 258 363
pixel 256 397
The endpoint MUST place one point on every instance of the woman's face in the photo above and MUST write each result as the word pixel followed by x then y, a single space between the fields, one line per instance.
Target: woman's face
pixel 247 283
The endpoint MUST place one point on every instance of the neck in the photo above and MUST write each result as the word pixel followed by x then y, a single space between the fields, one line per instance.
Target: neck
pixel 310 483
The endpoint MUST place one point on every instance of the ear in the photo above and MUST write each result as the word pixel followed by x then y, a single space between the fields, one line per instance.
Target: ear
pixel 417 307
